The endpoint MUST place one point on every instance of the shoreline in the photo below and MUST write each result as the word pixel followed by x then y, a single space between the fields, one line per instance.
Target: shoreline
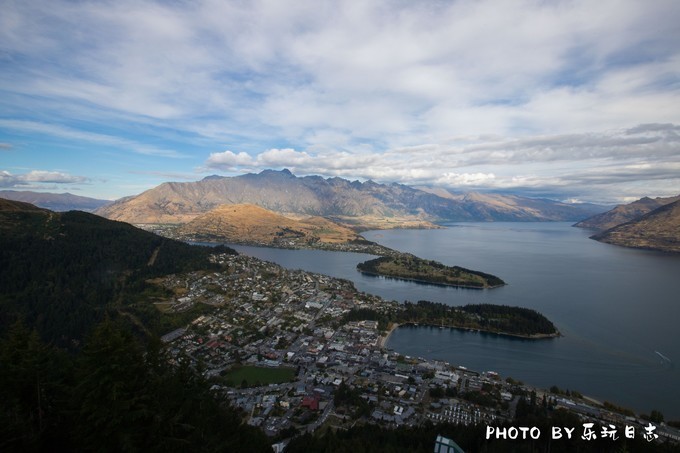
pixel 426 282
pixel 538 336
pixel 383 339
pixel 342 247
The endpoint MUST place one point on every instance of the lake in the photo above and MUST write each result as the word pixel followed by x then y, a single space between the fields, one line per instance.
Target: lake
pixel 617 308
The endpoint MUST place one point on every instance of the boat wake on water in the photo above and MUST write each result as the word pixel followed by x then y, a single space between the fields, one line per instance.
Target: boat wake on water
pixel 664 359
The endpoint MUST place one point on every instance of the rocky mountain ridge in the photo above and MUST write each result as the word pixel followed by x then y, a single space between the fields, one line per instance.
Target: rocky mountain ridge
pixel 655 230
pixel 361 204
pixel 624 213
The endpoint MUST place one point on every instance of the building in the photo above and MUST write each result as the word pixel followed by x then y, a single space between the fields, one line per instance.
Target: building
pixel 446 445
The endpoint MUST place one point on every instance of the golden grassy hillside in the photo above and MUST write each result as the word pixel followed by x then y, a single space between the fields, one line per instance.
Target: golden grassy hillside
pixel 657 230
pixel 250 223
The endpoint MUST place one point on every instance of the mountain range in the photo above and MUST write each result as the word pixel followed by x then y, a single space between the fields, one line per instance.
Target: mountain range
pixel 647 223
pixel 59 202
pixel 362 205
pixel 624 213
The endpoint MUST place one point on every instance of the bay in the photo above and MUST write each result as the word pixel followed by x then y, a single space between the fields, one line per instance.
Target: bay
pixel 617 308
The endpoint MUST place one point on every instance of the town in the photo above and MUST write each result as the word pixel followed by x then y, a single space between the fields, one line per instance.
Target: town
pixel 287 348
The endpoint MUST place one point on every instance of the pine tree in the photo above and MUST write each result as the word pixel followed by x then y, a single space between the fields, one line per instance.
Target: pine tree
pixel 115 408
pixel 34 391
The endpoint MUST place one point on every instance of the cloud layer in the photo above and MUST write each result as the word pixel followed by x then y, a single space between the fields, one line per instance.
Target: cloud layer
pixel 459 92
pixel 35 178
pixel 605 166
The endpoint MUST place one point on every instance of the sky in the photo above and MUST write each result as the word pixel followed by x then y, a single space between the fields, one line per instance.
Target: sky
pixel 570 100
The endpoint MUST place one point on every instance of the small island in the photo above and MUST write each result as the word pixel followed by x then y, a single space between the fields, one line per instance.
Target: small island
pixel 405 266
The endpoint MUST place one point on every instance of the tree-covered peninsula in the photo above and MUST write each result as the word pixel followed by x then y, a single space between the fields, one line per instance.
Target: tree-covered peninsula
pixel 409 267
pixel 498 319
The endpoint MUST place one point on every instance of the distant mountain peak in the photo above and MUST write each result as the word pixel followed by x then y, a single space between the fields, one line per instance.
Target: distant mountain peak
pixel 54 201
pixel 284 172
pixel 211 177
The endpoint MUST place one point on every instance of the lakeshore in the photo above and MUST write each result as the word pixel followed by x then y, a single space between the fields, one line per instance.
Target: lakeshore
pixel 593 292
pixel 426 282
pixel 384 338
pixel 539 336
pixel 555 270
pixel 393 326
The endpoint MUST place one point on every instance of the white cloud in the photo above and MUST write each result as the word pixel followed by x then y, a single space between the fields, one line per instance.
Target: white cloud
pixel 25 180
pixel 504 94
pixel 334 162
pixel 384 71
pixel 465 179
pixel 575 165
pixel 229 160
pixel 51 177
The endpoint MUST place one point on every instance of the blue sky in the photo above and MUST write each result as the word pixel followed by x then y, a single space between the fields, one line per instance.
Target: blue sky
pixel 574 100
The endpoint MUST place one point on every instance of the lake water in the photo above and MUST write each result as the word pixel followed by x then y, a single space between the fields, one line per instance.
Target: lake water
pixel 618 308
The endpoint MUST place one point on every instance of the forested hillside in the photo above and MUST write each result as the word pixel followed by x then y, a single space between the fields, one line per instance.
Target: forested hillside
pixel 62 272
pixel 79 368
pixel 115 395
